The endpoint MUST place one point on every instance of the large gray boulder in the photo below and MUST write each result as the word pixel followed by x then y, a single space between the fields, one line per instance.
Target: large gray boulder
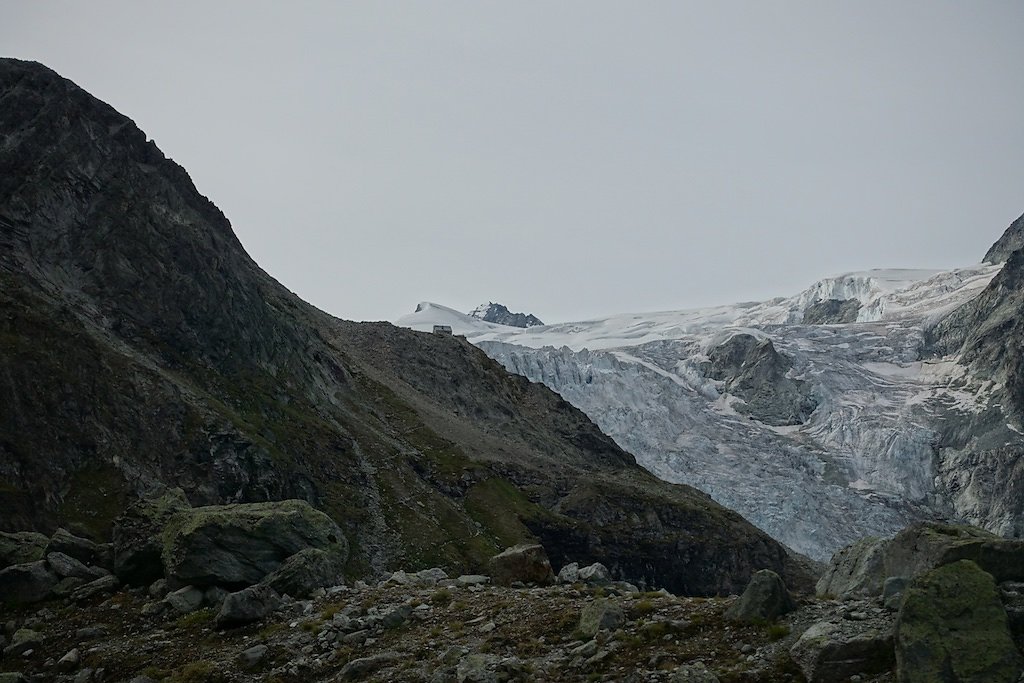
pixel 525 563
pixel 21 547
pixel 82 549
pixel 248 605
pixel 856 570
pixel 861 569
pixel 765 599
pixel 68 567
pixel 952 627
pixel 26 583
pixel 137 537
pixel 238 545
pixel 831 652
pixel 305 571
pixel 601 615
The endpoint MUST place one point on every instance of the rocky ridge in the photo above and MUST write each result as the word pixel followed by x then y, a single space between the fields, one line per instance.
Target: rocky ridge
pixel 499 314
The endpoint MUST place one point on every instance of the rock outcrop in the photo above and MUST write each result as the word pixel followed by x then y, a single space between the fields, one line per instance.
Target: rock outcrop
pixel 765 599
pixel 832 312
pixel 952 627
pixel 1011 241
pixel 497 313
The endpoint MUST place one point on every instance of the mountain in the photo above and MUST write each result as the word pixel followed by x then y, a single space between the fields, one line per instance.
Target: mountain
pixel 868 401
pixel 141 348
pixel 1011 241
pixel 496 313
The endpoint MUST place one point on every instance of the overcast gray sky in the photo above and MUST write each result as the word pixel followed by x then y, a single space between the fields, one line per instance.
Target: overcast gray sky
pixel 568 158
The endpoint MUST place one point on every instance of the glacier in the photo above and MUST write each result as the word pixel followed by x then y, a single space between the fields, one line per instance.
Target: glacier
pixel 865 460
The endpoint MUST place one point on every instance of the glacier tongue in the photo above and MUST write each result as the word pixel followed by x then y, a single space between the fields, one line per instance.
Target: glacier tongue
pixel 865 460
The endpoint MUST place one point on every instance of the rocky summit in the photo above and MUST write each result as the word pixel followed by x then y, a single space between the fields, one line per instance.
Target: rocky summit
pixel 499 314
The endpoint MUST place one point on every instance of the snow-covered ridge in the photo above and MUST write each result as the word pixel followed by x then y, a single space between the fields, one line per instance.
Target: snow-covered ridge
pixel 864 462
pixel 884 294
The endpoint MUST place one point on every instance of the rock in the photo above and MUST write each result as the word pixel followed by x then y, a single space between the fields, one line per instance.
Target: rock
pixel 91 632
pixel 86 675
pixel 248 605
pixel 601 615
pixel 305 571
pixel 525 563
pixel 477 668
pixel 154 609
pixel 358 668
pixel 595 575
pixel 765 599
pixel 431 577
pixel 185 600
pixel 693 673
pixel 137 537
pixel 82 549
pixel 252 658
pixel 24 639
pixel 66 587
pixel 238 545
pixel 570 573
pixel 473 580
pixel 21 547
pixel 952 627
pixel 856 570
pixel 892 591
pixel 13 676
pixel 396 617
pixel 70 661
pixel 66 566
pixel 107 584
pixel 214 596
pixel 25 583
pixel 158 589
pixel 830 652
pixel 587 649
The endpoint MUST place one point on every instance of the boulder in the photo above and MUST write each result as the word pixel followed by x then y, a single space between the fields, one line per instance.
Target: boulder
pixel 66 566
pixel 830 652
pixel 25 583
pixel 248 605
pixel 21 547
pixel 861 569
pixel 477 668
pixel 856 570
pixel 70 661
pixel 22 641
pixel 252 658
pixel 952 627
pixel 765 599
pixel 107 584
pixel 238 545
pixel 693 673
pixel 82 549
pixel 595 575
pixel 305 571
pixel 185 600
pixel 137 537
pixel 364 666
pixel 600 615
pixel 66 587
pixel 570 573
pixel 521 563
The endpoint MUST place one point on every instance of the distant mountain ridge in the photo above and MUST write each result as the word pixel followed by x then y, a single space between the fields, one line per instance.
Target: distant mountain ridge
pixel 499 314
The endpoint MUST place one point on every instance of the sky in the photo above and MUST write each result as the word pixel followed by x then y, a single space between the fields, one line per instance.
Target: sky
pixel 569 159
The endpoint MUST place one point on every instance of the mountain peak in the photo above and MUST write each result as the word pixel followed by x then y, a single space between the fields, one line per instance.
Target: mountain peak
pixel 1011 241
pixel 497 313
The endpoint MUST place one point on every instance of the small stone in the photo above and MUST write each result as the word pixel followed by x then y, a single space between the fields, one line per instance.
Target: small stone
pixel 601 615
pixel 185 600
pixel 70 661
pixel 488 627
pixel 158 589
pixel 251 658
pixel 473 580
pixel 23 640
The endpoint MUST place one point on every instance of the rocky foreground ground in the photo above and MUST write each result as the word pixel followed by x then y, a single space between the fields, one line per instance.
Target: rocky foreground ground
pixel 461 629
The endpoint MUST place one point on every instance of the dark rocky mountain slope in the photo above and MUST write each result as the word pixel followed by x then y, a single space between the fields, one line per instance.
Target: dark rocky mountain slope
pixel 499 313
pixel 141 348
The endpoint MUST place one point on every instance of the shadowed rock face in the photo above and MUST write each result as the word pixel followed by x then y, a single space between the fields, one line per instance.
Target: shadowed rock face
pixel 498 313
pixel 141 349
pixel 832 312
pixel 1011 241
pixel 756 372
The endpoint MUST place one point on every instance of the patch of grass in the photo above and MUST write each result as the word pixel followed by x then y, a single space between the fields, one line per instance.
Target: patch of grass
pixel 197 672
pixel 270 630
pixel 312 625
pixel 778 632
pixel 197 619
pixel 441 597
pixel 643 607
